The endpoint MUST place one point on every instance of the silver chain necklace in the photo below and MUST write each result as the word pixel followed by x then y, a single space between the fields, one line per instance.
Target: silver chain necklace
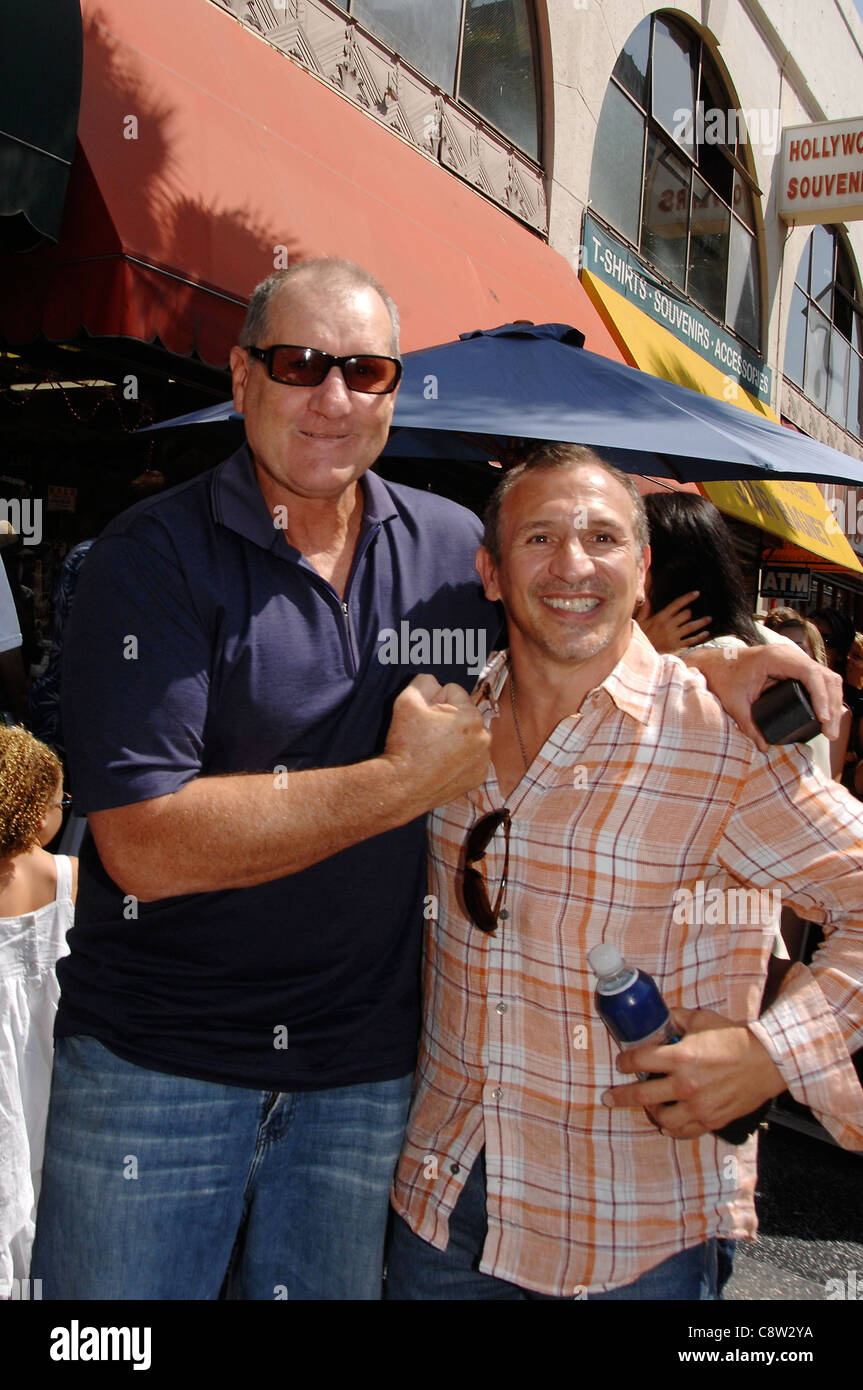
pixel 515 719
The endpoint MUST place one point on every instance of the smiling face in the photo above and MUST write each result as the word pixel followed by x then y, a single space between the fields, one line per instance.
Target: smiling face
pixel 571 571
pixel 315 442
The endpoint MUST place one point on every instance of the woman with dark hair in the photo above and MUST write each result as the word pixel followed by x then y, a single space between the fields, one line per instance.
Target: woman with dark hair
pixel 840 641
pixel 695 573
pixel 695 582
pixel 693 562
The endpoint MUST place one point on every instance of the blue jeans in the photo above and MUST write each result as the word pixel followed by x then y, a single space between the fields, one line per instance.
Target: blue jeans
pixel 160 1187
pixel 417 1270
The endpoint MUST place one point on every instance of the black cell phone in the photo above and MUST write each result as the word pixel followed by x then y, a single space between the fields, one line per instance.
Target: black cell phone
pixel 784 713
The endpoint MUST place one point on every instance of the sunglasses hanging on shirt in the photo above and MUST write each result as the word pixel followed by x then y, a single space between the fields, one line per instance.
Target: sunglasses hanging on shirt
pixel 476 898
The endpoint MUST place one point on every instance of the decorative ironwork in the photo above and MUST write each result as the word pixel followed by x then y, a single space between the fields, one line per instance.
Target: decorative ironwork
pixel 326 42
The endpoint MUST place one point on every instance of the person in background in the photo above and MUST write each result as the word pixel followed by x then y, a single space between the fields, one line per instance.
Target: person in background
pixel 837 630
pixel 791 624
pixel 690 543
pixel 693 563
pixel 13 679
pixel 854 664
pixel 45 715
pixel 12 556
pixel 691 546
pixel 44 701
pixel 37 895
pixel 853 775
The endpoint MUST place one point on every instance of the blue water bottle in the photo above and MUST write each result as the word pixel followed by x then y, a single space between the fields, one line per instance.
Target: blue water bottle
pixel 628 1001
pixel 633 1010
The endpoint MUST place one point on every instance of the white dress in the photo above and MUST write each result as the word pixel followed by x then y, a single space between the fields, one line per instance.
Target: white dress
pixel 30 947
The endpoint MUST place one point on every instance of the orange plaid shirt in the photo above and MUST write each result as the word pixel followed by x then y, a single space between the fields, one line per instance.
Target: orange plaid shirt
pixel 649 789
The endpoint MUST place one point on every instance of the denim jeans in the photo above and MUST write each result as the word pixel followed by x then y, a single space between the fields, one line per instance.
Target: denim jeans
pixel 417 1270
pixel 161 1187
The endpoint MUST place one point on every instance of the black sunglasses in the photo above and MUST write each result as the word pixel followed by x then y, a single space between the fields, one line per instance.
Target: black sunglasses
pixel 305 366
pixel 476 898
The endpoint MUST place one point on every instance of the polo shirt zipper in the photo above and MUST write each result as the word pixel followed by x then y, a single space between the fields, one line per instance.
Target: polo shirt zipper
pixel 359 557
pixel 349 635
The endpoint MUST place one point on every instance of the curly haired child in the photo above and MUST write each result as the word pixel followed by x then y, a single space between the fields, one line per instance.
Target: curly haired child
pixel 37 894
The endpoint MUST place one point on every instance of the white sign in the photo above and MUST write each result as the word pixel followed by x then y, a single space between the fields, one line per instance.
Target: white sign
pixel 822 172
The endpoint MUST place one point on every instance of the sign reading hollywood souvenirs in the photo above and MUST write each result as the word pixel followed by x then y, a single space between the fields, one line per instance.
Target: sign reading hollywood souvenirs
pixel 822 172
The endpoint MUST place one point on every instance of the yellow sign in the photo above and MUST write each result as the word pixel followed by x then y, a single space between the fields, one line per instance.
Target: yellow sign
pixel 651 348
pixel 795 511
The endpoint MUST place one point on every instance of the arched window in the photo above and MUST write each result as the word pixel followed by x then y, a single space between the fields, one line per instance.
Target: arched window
pixel 481 52
pixel 669 172
pixel 824 343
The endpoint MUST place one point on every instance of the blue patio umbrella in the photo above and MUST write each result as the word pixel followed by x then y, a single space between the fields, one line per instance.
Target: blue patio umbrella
pixel 471 398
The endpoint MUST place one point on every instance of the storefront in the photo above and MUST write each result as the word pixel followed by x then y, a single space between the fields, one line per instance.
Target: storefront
pixel 477 165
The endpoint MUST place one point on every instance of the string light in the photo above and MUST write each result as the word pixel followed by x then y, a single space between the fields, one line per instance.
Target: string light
pixel 13 394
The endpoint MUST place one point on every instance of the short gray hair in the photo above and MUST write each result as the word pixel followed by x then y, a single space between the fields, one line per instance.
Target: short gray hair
pixel 547 456
pixel 330 273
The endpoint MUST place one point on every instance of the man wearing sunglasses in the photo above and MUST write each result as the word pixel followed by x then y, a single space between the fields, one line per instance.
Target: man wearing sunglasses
pixel 617 786
pixel 238 1030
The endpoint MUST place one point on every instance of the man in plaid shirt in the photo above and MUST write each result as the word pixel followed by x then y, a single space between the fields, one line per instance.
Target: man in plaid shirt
pixel 621 800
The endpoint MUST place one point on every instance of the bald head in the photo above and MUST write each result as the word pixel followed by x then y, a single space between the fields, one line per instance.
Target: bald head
pixel 328 277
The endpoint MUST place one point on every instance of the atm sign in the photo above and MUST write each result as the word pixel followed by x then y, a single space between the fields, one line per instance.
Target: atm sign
pixel 788 583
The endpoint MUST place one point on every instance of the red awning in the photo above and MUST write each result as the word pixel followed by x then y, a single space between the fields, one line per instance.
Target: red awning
pixel 205 155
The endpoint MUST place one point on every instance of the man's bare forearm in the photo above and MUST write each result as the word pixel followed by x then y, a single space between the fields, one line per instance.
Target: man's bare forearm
pixel 219 833
pixel 737 682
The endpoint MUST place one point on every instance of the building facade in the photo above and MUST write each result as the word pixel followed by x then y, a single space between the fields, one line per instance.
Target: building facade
pixel 668 186
pixel 614 165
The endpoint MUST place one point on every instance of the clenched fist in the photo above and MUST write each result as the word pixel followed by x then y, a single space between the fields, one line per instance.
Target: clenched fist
pixel 437 743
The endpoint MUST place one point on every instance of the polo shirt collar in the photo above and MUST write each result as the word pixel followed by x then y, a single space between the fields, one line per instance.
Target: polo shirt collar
pixel 378 504
pixel 238 503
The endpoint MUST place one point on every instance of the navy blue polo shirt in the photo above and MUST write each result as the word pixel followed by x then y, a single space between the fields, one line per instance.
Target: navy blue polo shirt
pixel 201 644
